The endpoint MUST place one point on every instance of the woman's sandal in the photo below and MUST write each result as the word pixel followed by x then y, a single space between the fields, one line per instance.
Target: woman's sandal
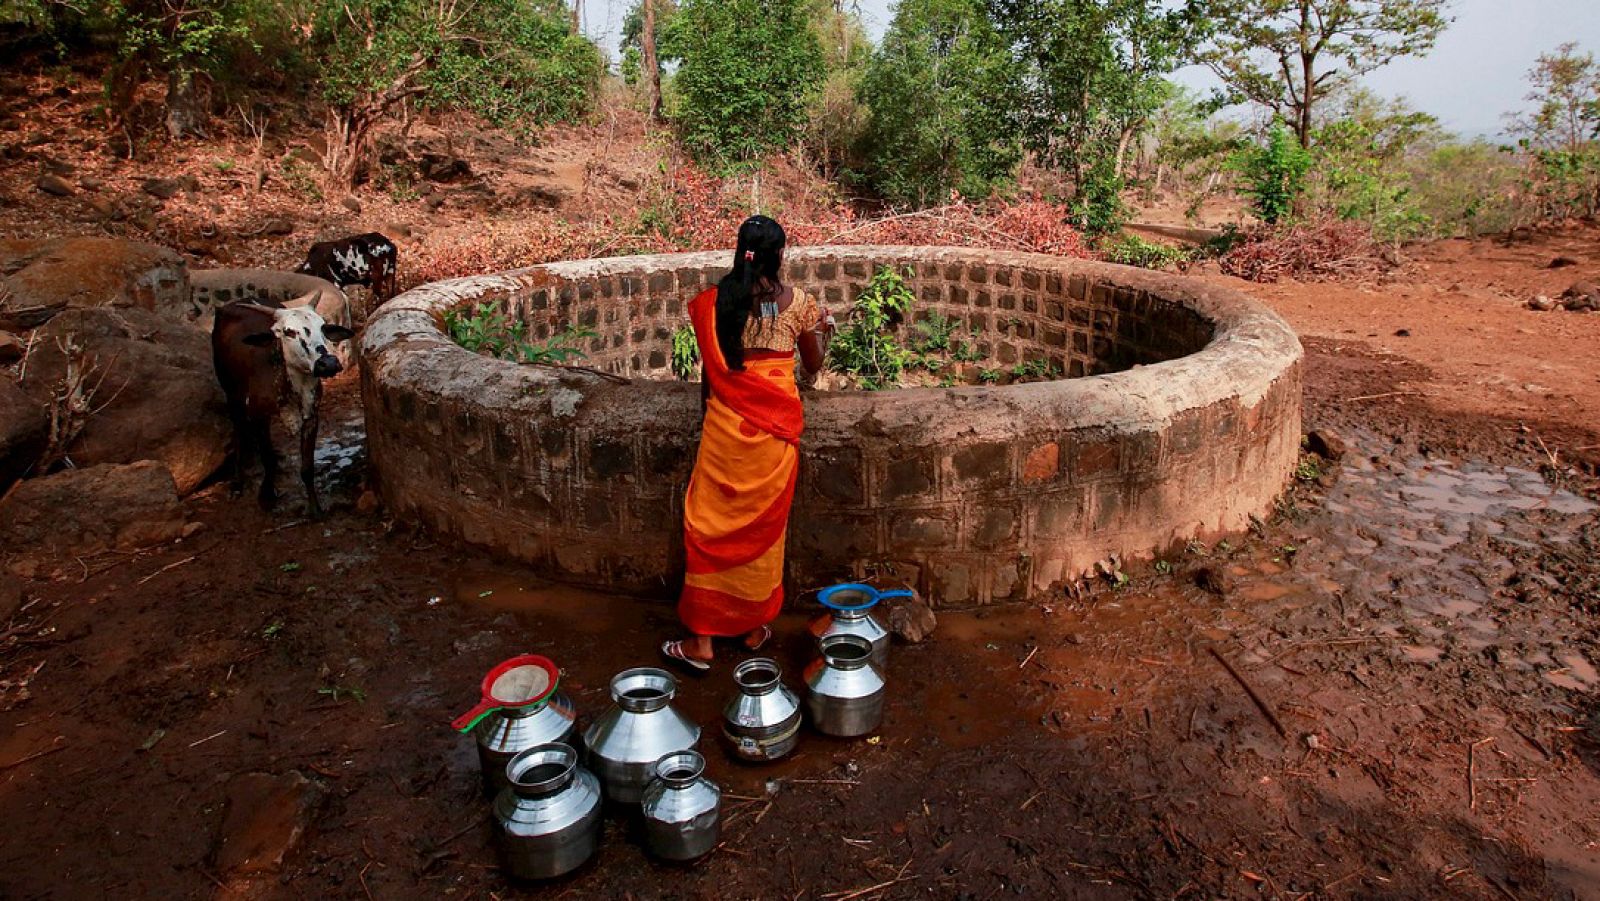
pixel 673 650
pixel 766 636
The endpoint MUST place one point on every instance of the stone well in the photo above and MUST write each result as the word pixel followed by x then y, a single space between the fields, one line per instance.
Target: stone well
pixel 1180 419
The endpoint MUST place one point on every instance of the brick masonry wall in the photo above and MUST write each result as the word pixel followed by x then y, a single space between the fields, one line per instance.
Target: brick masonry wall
pixel 976 494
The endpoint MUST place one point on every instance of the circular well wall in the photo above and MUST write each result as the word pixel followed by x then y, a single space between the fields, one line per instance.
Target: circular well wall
pixel 1183 422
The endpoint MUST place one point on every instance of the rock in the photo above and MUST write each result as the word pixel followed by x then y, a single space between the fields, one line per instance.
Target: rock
pixel 54 185
pixel 24 432
pixel 11 348
pixel 395 230
pixel 910 619
pixel 104 207
pixel 53 166
pixel 267 816
pixel 90 183
pixel 163 188
pixel 1326 445
pixel 1215 579
pixel 1541 304
pixel 158 399
pixel 42 278
pixel 351 204
pixel 48 522
pixel 367 503
pixel 168 188
pixel 1563 262
pixel 442 167
pixel 276 226
pixel 1581 297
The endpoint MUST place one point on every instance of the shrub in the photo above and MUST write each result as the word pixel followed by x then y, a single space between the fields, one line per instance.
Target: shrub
pixel 1132 250
pixel 1274 175
pixel 865 347
pixel 488 330
pixel 685 353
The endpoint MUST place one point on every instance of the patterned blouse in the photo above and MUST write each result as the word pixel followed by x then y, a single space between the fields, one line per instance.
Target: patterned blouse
pixel 783 333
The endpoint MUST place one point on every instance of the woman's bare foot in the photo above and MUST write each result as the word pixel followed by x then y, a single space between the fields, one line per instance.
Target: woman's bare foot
pixel 757 638
pixel 695 652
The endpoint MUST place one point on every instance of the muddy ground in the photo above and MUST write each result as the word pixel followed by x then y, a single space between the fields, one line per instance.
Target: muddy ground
pixel 1422 621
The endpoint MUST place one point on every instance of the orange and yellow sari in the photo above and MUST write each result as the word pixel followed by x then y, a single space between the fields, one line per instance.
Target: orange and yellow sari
pixel 736 512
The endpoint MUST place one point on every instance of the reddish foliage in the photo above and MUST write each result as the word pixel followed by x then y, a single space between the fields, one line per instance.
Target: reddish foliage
pixel 1325 249
pixel 688 209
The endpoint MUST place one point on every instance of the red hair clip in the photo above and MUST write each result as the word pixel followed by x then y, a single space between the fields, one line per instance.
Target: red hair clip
pixel 750 256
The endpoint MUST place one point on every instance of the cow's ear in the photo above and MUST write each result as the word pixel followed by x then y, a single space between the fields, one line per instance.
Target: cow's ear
pixel 261 339
pixel 336 332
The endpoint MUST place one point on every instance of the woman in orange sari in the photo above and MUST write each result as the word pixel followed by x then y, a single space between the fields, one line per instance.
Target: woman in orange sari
pixel 736 512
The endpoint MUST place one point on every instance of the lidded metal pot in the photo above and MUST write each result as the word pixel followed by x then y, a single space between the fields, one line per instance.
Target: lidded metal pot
pixel 521 707
pixel 851 605
pixel 639 730
pixel 547 819
pixel 762 722
pixel 682 808
pixel 844 690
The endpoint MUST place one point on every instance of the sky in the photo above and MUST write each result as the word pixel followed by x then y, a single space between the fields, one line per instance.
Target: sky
pixel 1475 75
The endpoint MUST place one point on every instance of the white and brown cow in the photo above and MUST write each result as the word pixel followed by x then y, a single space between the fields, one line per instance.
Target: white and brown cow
pixel 370 259
pixel 271 360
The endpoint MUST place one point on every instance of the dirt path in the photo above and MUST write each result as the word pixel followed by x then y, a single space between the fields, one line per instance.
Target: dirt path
pixel 1460 311
pixel 1423 629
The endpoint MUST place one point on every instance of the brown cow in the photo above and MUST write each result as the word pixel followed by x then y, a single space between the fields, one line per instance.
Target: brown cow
pixel 272 360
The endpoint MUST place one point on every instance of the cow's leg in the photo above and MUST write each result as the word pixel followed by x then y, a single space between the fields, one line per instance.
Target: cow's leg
pixel 261 432
pixel 308 464
pixel 242 440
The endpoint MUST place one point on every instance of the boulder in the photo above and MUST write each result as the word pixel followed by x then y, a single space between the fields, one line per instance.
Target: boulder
pixel 24 432
pixel 1326 445
pixel 910 619
pixel 11 348
pixel 49 522
pixel 156 394
pixel 1581 297
pixel 39 279
pixel 54 185
pixel 1215 579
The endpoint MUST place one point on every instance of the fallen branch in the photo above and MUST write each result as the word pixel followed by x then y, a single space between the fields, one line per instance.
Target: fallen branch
pixel 1383 395
pixel 169 566
pixel 1472 772
pixel 1249 690
pixel 847 896
pixel 60 744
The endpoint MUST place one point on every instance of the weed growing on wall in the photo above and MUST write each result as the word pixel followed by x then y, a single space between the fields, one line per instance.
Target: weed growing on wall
pixel 487 330
pixel 866 347
pixel 685 353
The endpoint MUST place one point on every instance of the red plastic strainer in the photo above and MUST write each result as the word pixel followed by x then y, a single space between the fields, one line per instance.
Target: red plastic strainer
pixel 522 681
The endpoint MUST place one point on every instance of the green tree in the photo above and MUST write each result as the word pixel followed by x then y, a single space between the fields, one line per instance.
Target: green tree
pixel 939 94
pixel 747 72
pixel 1287 55
pixel 1274 175
pixel 835 116
pixel 1364 161
pixel 515 62
pixel 1559 135
pixel 1092 74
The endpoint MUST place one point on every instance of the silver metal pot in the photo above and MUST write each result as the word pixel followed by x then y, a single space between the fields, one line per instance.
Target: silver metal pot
pixel 851 605
pixel 626 742
pixel 682 808
pixel 844 690
pixel 762 722
pixel 509 731
pixel 547 820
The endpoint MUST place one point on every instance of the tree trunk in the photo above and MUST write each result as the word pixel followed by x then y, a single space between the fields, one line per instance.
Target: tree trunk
pixel 652 66
pixel 183 115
